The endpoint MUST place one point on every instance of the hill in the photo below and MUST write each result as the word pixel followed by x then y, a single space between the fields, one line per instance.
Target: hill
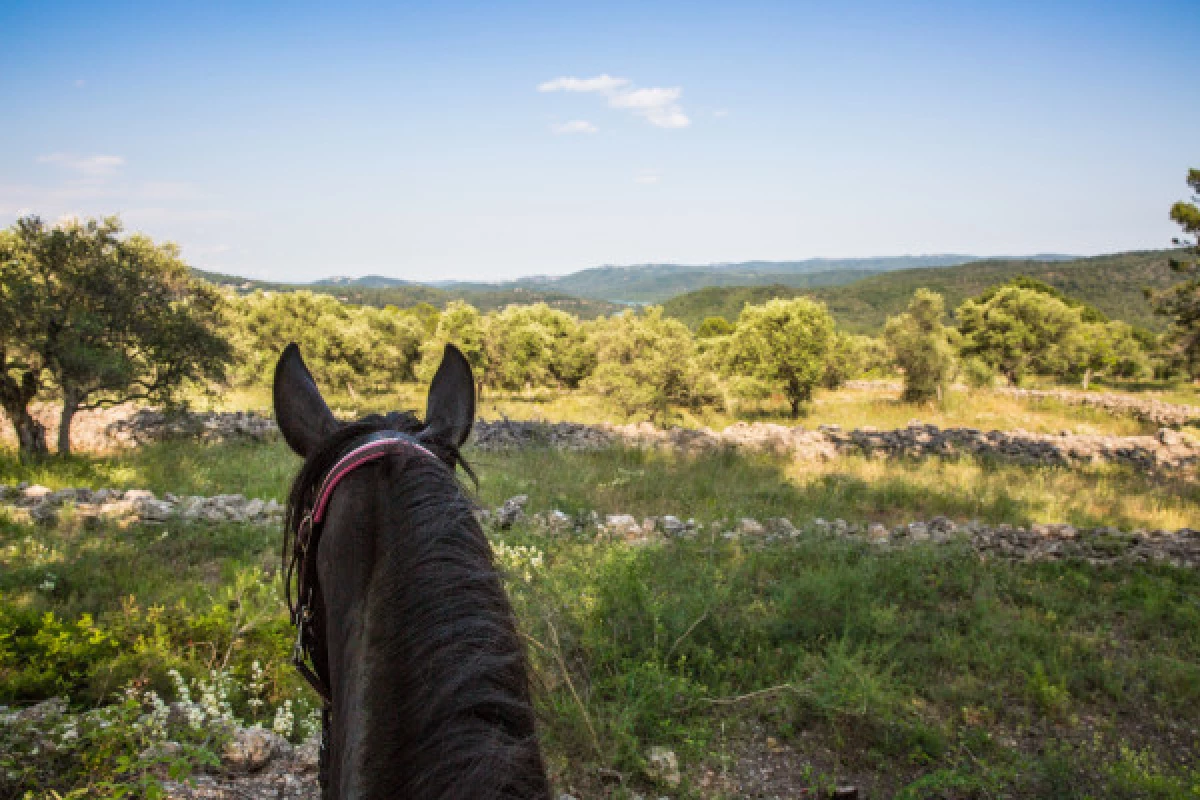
pixel 1112 283
pixel 375 291
pixel 655 283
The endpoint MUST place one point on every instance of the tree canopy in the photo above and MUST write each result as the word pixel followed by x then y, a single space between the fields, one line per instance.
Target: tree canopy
pixel 1181 302
pixel 921 346
pixel 102 318
pixel 784 343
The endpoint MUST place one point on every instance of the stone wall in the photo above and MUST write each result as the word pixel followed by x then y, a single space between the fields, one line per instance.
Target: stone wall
pixel 1168 450
pixel 1035 542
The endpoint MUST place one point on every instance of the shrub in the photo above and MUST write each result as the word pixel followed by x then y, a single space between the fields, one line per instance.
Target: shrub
pixel 921 346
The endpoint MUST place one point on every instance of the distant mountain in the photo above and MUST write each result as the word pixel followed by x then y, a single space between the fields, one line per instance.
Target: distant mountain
pixel 656 283
pixel 1112 283
pixel 404 294
pixel 365 282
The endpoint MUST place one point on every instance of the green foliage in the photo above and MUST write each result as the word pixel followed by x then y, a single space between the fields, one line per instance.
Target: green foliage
pixel 714 326
pixel 1113 284
pixel 648 363
pixel 921 347
pixel 853 357
pixel 786 344
pixel 1019 332
pixel 358 347
pixel 461 325
pixel 978 373
pixel 536 345
pixel 1181 302
pixel 102 318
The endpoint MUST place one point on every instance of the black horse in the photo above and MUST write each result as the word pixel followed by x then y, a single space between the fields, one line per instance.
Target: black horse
pixel 411 637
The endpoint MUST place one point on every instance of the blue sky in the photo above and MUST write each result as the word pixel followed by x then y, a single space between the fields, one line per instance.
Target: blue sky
pixel 432 142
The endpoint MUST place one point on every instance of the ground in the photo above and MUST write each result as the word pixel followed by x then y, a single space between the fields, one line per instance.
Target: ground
pixel 768 669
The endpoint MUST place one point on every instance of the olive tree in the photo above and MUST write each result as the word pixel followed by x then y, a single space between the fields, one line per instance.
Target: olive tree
pixel 648 363
pixel 921 346
pixel 99 318
pixel 784 344
pixel 1019 332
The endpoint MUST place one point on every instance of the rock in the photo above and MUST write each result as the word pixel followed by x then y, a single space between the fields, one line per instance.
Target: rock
pixel 512 510
pixel 307 755
pixel 878 533
pixel 139 495
pixel 662 766
pixel 748 526
pixel 34 495
pixel 918 531
pixel 249 749
pixel 154 510
pixel 52 708
pixel 672 526
pixel 622 525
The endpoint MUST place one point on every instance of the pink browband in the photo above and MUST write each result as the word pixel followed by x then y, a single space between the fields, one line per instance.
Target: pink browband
pixel 363 454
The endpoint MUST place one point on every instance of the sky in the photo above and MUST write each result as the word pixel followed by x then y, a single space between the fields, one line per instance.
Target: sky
pixel 487 141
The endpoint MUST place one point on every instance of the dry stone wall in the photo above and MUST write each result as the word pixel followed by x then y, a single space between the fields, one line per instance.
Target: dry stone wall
pixel 1036 542
pixel 1167 450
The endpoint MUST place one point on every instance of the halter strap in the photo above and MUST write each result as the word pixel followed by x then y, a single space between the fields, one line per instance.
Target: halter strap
pixel 302 565
pixel 371 450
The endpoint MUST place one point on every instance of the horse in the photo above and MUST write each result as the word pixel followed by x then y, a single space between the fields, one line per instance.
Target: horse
pixel 403 624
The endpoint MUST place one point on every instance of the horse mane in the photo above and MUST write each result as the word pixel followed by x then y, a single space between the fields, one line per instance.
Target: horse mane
pixel 457 716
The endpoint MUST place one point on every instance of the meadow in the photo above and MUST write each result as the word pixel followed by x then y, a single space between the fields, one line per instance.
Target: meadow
pixel 917 672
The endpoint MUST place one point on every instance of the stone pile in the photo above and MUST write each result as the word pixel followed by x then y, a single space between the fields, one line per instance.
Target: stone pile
pixel 255 763
pixel 152 425
pixel 42 504
pixel 1168 450
pixel 1146 409
pixel 123 426
pixel 1037 542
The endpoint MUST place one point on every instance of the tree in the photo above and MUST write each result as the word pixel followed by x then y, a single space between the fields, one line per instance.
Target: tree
pixel 1022 331
pixel 1181 302
pixel 102 318
pixel 714 326
pixel 921 346
pixel 1113 349
pixel 536 346
pixel 784 343
pixel 647 362
pixel 459 324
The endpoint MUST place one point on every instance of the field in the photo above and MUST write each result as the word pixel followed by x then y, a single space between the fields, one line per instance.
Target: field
pixel 768 669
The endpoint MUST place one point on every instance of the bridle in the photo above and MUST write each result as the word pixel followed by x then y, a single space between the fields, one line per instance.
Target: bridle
pixel 301 573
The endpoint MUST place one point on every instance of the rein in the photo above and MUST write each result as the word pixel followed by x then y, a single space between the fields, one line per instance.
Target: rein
pixel 301 574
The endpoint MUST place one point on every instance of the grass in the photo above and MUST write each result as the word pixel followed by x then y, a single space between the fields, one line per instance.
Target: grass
pixel 707 487
pixel 849 408
pixel 918 673
pixel 921 673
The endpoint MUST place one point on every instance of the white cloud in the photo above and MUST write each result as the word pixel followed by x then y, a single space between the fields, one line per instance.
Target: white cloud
pixel 658 106
pixel 574 126
pixel 648 177
pixel 600 83
pixel 92 166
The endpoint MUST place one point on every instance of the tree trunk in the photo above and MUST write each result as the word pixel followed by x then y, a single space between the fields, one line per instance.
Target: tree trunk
pixel 31 434
pixel 70 406
pixel 794 399
pixel 1087 378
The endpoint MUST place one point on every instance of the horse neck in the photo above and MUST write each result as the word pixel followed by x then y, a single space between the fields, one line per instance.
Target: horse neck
pixel 436 703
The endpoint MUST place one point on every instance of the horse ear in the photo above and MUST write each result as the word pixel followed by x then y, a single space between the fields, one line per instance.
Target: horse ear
pixel 450 410
pixel 300 411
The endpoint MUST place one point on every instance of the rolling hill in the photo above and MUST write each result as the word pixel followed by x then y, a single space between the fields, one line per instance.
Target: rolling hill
pixel 655 283
pixel 1112 283
pixel 375 291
